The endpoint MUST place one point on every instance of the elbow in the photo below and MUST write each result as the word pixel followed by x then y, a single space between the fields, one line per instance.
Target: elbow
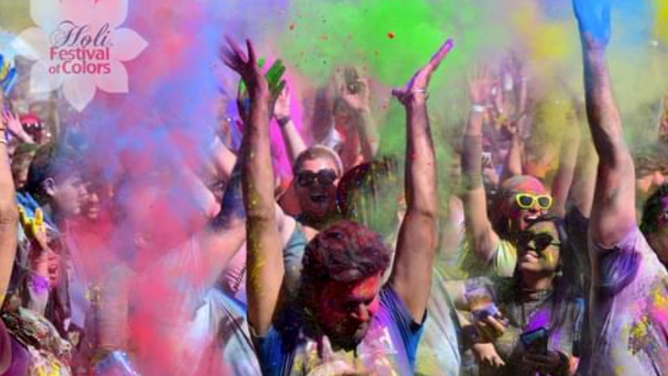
pixel 426 214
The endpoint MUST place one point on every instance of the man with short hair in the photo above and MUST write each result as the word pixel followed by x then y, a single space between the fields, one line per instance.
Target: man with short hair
pixel 347 322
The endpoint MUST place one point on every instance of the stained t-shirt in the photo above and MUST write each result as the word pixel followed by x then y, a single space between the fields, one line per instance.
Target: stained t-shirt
pixel 628 310
pixel 438 353
pixel 388 348
pixel 501 262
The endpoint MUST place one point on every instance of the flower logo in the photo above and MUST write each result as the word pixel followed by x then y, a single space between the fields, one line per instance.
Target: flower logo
pixel 80 46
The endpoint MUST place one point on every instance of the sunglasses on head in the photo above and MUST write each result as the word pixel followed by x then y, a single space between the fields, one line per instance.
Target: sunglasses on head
pixel 540 241
pixel 323 177
pixel 528 201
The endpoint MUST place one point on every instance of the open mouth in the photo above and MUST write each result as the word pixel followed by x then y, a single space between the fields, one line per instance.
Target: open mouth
pixel 318 198
pixel 531 217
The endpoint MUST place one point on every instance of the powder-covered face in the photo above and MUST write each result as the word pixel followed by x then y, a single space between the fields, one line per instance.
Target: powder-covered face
pixel 648 181
pixel 538 248
pixel 317 198
pixel 519 216
pixel 345 310
pixel 68 194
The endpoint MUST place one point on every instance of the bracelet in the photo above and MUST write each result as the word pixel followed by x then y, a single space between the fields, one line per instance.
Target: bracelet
pixel 420 91
pixel 477 108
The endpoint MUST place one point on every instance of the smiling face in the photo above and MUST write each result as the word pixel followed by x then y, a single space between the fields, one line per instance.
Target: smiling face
pixel 315 188
pixel 344 311
pixel 526 201
pixel 538 249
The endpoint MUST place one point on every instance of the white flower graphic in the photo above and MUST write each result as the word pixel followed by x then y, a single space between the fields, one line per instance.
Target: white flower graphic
pixel 80 45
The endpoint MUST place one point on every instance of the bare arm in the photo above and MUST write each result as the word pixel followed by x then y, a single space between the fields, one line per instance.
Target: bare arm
pixel 356 93
pixel 613 211
pixel 483 239
pixel 411 276
pixel 223 159
pixel 513 165
pixel 8 215
pixel 294 143
pixel 265 259
pixel 568 154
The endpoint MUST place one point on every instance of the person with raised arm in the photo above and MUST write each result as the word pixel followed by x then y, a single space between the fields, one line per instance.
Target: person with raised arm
pixel 629 325
pixel 343 320
pixel 13 358
pixel 491 243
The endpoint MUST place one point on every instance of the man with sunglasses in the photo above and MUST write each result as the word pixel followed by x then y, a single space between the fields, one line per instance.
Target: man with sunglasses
pixel 627 310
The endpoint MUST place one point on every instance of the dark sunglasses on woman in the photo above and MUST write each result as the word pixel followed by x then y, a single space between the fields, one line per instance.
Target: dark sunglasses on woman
pixel 323 177
pixel 540 241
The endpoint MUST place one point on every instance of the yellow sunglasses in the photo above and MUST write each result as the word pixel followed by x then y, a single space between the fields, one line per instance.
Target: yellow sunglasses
pixel 528 201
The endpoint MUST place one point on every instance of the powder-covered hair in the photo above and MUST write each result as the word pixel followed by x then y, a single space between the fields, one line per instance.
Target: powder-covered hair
pixel 344 252
pixel 316 152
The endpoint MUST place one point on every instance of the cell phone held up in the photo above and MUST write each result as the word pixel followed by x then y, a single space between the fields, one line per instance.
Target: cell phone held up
pixel 535 341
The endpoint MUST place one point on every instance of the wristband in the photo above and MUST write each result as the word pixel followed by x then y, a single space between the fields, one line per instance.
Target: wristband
pixel 477 108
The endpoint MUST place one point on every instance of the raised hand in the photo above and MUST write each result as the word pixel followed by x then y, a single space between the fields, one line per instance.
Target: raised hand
pixel 13 123
pixel 594 22
pixel 480 86
pixel 246 66
pixel 282 105
pixel 35 228
pixel 420 81
pixel 355 90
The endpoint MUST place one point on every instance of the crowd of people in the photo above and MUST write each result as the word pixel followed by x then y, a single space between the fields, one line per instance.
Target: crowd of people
pixel 547 260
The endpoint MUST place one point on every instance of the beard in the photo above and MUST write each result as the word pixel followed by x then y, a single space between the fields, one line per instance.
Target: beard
pixel 347 336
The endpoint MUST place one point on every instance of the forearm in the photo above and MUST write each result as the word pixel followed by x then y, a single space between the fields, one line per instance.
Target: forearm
pixel 472 152
pixel 420 161
pixel 257 172
pixel 223 160
pixel 264 258
pixel 602 113
pixel 294 144
pixel 581 194
pixel 411 277
pixel 563 180
pixel 8 221
pixel 368 133
pixel 478 226
pixel 513 165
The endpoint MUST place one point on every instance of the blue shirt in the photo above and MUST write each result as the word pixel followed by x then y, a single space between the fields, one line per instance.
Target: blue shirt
pixel 388 348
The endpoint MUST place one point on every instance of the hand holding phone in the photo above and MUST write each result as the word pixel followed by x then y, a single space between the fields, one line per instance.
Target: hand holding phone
pixel 535 341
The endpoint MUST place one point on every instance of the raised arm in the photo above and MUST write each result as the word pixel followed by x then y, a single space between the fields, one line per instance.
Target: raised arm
pixel 481 235
pixel 356 94
pixel 265 259
pixel 8 214
pixel 568 154
pixel 411 276
pixel 613 211
pixel 294 144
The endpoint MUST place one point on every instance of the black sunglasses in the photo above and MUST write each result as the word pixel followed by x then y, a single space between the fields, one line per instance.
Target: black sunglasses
pixel 540 241
pixel 323 177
